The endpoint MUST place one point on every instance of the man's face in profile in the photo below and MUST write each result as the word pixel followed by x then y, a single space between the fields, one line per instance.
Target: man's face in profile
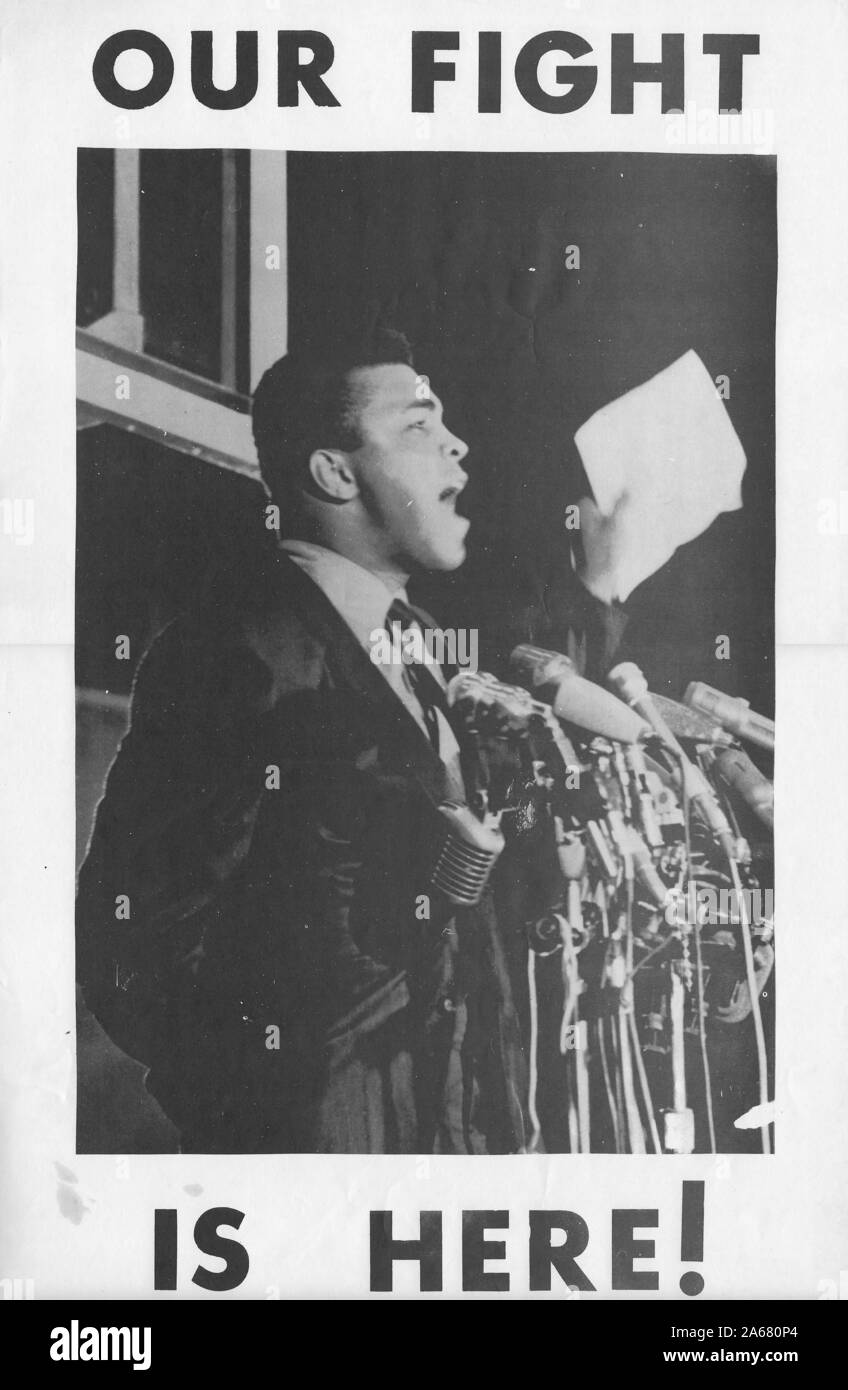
pixel 408 467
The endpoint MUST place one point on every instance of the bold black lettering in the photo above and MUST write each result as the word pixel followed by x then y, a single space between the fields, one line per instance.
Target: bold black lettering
pixel 563 1258
pixel 165 1248
pixel 625 1249
pixel 583 80
pixel 476 1250
pixel 103 69
pixel 489 73
pixel 425 70
pixel 626 73
pixel 293 74
pixel 209 1242
pixel 427 1250
pixel 732 50
pixel 692 1222
pixel 243 89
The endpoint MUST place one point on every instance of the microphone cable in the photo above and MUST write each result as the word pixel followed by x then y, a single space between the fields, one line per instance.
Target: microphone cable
pixel 643 1083
pixel 630 1011
pixel 602 1047
pixel 759 1033
pixel 699 960
pixel 533 1061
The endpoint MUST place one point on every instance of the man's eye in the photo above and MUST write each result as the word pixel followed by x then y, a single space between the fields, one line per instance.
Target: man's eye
pixel 419 424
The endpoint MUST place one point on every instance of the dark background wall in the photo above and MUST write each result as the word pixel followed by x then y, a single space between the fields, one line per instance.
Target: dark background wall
pixel 466 253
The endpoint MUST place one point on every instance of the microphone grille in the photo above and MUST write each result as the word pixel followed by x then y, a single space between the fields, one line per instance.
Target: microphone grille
pixel 628 682
pixel 539 666
pixel 466 856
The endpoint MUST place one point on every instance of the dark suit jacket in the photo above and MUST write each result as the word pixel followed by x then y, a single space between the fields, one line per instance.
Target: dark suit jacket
pixel 250 921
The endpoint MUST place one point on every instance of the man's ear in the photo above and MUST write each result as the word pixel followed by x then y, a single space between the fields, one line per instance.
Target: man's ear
pixel 332 475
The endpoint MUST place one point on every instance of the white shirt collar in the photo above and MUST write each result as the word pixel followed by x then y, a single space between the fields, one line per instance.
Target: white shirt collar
pixel 362 599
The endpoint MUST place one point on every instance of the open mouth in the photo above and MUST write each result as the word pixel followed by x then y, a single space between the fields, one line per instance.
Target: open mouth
pixel 449 494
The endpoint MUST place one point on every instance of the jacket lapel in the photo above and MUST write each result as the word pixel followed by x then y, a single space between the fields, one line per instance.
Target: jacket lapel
pixel 350 665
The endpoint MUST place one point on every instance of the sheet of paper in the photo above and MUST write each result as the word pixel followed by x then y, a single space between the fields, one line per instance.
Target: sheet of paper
pixel 667 453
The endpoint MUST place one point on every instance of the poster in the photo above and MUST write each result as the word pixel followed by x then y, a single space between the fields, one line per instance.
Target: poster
pixel 391 931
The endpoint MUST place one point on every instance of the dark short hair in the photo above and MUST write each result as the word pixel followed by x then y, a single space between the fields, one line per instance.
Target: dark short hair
pixel 305 401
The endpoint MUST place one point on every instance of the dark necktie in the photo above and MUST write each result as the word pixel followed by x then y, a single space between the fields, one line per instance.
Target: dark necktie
pixel 426 688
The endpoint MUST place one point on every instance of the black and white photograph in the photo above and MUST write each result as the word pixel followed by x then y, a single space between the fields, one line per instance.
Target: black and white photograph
pixel 425 737
pixel 423 646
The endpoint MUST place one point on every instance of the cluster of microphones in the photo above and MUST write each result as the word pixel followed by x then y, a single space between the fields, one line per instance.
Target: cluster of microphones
pixel 641 797
pixel 628 729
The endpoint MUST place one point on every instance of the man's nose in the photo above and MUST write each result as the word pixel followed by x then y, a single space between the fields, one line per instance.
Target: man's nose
pixel 456 449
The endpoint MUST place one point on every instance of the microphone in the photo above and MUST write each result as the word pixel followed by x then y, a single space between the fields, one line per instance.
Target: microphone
pixel 689 723
pixel 512 710
pixel 632 686
pixel 635 762
pixel 629 683
pixel 643 867
pixel 586 808
pixel 508 705
pixel 465 854
pixel 736 769
pixel 515 710
pixel 630 844
pixel 732 713
pixel 553 678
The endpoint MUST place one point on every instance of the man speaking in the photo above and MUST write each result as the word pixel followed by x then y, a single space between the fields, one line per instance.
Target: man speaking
pixel 280 960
